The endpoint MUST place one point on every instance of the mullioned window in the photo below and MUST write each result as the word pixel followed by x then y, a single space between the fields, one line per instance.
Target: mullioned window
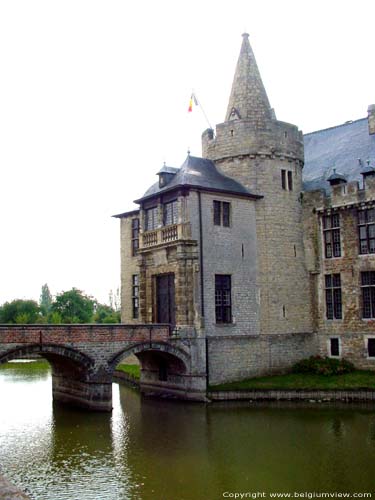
pixel 331 235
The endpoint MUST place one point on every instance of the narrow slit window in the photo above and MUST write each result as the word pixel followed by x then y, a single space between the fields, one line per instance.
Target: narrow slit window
pixel 283 179
pixel 334 346
pixel 371 348
pixel 290 181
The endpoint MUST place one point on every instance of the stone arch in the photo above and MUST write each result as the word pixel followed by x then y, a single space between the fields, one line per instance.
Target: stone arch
pixel 48 351
pixel 158 348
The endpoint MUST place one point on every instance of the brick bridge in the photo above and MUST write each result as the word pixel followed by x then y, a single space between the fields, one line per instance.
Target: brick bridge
pixel 84 357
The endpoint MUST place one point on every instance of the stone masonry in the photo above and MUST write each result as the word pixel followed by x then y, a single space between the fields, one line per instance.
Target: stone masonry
pixel 352 329
pixel 242 216
pixel 84 357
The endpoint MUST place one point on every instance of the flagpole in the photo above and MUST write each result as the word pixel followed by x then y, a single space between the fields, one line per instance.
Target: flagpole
pixel 204 114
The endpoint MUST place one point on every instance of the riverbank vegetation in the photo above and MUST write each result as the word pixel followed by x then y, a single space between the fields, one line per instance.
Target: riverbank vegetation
pixel 37 366
pixel 355 380
pixel 322 375
pixel 358 379
pixel 314 373
pixel 72 306
pixel 133 370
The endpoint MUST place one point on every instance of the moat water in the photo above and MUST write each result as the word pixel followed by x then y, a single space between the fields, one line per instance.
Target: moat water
pixel 168 450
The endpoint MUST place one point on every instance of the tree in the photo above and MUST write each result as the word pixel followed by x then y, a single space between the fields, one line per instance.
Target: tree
pixel 45 300
pixel 20 311
pixel 74 306
pixel 106 314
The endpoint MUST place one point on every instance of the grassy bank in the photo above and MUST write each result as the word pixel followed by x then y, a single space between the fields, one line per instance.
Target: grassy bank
pixel 355 380
pixel 132 370
pixel 28 367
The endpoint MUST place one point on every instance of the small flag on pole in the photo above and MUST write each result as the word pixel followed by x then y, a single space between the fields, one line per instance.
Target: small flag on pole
pixel 193 100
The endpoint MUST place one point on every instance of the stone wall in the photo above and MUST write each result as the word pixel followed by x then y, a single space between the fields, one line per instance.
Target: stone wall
pixel 255 156
pixel 236 358
pixel 129 267
pixel 228 250
pixel 352 329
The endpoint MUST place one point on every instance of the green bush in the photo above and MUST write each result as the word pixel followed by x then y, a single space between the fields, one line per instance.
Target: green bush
pixel 323 366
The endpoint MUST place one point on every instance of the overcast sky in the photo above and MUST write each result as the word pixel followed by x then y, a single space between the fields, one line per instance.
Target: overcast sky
pixel 94 97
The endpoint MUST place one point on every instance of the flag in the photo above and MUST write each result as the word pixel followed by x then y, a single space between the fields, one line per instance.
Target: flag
pixel 193 100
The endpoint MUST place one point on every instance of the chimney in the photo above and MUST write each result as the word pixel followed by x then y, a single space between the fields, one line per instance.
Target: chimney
pixel 371 119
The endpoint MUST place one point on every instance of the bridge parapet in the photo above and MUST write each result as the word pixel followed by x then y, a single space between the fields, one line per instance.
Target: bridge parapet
pixel 63 334
pixel 83 358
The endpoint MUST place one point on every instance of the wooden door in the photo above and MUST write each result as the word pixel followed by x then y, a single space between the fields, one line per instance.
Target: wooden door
pixel 165 299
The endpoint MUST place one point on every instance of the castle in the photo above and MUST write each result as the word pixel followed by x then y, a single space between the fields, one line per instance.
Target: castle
pixel 260 253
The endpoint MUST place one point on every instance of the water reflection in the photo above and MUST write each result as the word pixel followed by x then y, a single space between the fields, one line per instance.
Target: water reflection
pixel 168 450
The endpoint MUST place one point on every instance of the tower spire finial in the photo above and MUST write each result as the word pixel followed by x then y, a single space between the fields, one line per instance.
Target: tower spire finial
pixel 248 98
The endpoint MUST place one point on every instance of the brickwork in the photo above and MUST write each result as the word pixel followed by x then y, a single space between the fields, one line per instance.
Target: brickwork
pixel 77 334
pixel 84 357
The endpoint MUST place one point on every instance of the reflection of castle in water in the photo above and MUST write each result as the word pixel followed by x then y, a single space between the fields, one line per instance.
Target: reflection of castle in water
pixel 167 449
pixel 225 445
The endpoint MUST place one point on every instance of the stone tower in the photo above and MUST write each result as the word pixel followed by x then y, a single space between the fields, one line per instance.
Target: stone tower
pixel 266 156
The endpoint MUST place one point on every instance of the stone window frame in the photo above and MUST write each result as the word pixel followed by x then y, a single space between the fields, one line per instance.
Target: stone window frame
pixel 366 339
pixel 329 347
pixel 222 213
pixel 223 299
pixel 367 224
pixel 331 232
pixel 370 286
pixel 333 297
pixel 135 296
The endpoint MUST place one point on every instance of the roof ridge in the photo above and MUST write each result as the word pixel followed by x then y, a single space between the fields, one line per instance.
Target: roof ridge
pixel 349 122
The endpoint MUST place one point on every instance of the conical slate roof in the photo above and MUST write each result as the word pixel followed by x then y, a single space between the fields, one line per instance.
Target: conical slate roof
pixel 248 98
pixel 199 173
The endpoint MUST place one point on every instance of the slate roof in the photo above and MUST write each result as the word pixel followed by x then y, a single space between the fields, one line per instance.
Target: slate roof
pixel 200 173
pixel 168 170
pixel 337 147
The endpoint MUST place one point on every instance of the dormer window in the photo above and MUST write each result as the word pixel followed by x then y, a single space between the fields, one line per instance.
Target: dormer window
pixel 166 174
pixel 234 114
pixel 165 178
